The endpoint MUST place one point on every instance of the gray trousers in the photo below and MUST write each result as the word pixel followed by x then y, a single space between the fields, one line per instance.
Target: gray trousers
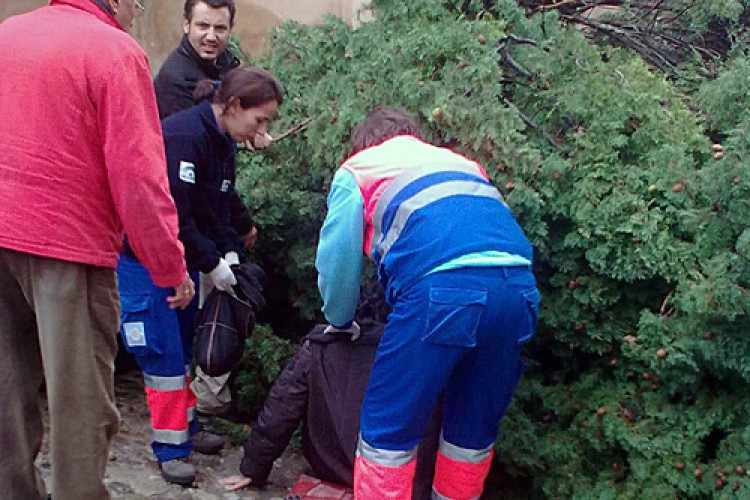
pixel 58 324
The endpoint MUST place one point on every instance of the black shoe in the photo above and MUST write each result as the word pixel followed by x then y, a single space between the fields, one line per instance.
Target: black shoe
pixel 178 471
pixel 207 443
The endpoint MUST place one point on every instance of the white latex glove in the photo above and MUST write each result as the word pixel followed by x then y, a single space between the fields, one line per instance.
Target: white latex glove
pixel 222 276
pixel 232 258
pixel 353 330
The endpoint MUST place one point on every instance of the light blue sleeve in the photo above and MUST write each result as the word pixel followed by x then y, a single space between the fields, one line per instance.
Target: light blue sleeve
pixel 340 254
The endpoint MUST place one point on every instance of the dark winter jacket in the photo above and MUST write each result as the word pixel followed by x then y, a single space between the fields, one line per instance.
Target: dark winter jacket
pixel 323 387
pixel 181 72
pixel 174 86
pixel 200 163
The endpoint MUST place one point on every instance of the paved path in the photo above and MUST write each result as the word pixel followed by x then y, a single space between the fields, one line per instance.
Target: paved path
pixel 132 473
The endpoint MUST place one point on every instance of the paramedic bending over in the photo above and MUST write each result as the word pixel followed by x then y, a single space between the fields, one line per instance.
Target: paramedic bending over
pixel 456 269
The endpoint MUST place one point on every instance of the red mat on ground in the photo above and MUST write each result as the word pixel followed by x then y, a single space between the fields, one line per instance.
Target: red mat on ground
pixel 308 487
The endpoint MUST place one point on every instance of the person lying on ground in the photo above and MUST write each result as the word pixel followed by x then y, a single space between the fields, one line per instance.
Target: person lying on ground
pixel 322 388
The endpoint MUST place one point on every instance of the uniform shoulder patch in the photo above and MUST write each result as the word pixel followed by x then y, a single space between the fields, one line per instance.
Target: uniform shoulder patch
pixel 187 172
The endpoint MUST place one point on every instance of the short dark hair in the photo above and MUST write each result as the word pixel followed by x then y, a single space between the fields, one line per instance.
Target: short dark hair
pixel 216 4
pixel 381 124
pixel 252 85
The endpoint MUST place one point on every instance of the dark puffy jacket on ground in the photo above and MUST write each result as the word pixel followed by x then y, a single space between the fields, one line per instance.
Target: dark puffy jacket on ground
pixel 323 387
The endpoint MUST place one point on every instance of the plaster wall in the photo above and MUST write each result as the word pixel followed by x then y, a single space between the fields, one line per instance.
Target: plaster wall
pixel 159 28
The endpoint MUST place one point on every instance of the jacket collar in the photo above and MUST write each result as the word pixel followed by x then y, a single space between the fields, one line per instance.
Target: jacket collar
pixel 209 120
pixel 97 8
pixel 226 60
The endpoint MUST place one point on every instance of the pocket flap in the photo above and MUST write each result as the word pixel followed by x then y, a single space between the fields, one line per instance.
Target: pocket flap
pixel 457 296
pixel 134 303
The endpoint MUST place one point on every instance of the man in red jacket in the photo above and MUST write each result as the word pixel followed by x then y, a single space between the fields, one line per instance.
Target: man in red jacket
pixel 81 159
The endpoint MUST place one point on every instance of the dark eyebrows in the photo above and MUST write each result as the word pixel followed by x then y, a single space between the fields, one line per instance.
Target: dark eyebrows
pixel 205 24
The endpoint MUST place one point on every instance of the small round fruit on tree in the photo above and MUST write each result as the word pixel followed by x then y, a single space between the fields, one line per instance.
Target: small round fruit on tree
pixel 698 473
pixel 661 353
pixel 718 155
pixel 680 465
pixel 740 470
pixel 601 412
pixel 717 147
pixel 482 39
pixel 437 113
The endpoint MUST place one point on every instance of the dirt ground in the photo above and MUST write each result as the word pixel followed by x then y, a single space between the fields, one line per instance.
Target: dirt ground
pixel 133 474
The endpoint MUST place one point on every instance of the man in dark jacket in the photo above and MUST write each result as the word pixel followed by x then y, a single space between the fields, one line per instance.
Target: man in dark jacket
pixel 202 54
pixel 323 387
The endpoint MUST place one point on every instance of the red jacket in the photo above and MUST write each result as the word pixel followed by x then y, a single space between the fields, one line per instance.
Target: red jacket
pixel 81 150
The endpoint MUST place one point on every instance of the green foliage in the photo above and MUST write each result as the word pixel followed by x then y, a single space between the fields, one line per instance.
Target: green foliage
pixel 265 356
pixel 640 372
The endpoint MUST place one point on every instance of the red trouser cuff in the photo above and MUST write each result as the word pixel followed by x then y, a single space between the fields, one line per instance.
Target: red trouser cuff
pixel 376 481
pixel 460 480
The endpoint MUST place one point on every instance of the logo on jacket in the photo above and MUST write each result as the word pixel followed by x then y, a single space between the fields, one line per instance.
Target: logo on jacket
pixel 225 185
pixel 135 334
pixel 187 172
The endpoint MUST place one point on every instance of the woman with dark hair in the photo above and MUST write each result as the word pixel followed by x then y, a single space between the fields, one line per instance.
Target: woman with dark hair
pixel 200 144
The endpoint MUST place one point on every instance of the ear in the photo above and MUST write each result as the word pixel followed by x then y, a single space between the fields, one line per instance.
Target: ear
pixel 113 4
pixel 232 106
pixel 185 25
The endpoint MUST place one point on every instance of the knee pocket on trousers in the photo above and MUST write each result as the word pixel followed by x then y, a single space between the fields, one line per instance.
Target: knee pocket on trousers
pixel 453 316
pixel 138 326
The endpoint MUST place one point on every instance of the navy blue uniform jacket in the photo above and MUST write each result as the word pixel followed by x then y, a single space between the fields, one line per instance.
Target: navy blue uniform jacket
pixel 200 163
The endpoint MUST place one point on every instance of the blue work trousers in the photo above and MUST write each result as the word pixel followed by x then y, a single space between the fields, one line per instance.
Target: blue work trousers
pixel 459 332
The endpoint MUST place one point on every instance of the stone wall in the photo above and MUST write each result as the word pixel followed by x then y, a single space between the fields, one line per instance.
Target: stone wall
pixel 159 28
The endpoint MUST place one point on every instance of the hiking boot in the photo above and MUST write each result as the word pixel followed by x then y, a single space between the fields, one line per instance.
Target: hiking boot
pixel 178 471
pixel 207 443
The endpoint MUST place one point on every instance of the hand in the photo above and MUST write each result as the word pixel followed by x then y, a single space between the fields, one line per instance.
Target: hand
pixel 249 238
pixel 234 483
pixel 352 330
pixel 222 276
pixel 183 294
pixel 261 141
pixel 232 258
